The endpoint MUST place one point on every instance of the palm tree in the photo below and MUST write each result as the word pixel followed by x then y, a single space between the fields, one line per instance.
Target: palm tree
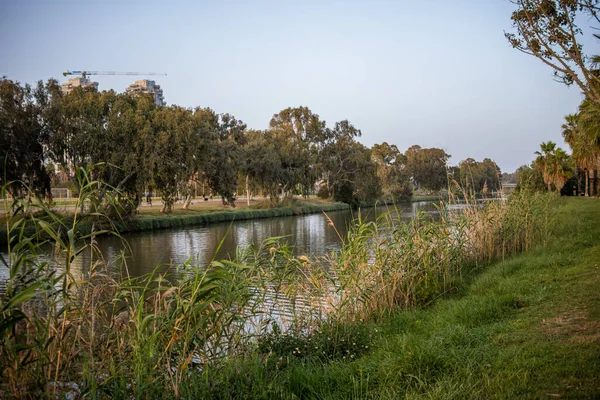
pixel 582 147
pixel 544 161
pixel 561 168
pixel 555 164
pixel 582 133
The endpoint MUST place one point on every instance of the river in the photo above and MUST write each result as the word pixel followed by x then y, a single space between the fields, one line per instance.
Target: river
pixel 311 235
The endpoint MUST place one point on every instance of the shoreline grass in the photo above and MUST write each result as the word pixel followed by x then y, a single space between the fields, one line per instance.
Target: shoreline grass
pixel 150 218
pixel 149 221
pixel 526 327
pixel 214 333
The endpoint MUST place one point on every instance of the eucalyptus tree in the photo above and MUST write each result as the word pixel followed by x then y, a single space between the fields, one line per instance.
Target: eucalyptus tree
pixel 225 157
pixel 530 179
pixel 468 173
pixel 550 31
pixel 79 134
pixel 261 164
pixel 201 137
pixel 490 175
pixel 427 167
pixel 479 177
pixel 346 163
pixel 299 136
pixel 392 171
pixel 172 127
pixel 120 152
pixel 22 138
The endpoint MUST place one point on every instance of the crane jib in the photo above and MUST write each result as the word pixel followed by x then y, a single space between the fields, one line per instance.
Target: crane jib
pixel 85 73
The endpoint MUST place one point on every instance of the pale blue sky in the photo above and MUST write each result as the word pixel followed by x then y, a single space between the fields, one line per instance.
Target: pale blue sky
pixel 433 73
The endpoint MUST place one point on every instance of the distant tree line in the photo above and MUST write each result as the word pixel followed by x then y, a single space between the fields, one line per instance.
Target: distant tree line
pixel 134 147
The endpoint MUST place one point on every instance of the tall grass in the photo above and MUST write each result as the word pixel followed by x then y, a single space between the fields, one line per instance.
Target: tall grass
pixel 152 337
pixel 388 264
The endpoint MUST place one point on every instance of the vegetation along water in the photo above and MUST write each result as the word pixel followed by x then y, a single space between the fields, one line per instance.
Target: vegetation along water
pixel 490 295
pixel 148 335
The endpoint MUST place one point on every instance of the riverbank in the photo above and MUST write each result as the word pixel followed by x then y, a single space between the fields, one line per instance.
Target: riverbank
pixel 528 327
pixel 254 326
pixel 147 221
pixel 150 218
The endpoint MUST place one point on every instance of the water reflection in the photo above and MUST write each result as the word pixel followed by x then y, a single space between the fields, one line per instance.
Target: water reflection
pixel 309 235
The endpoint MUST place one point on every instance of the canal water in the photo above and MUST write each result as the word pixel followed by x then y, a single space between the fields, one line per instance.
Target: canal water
pixel 311 235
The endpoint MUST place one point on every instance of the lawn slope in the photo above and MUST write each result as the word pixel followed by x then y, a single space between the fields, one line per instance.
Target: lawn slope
pixel 528 327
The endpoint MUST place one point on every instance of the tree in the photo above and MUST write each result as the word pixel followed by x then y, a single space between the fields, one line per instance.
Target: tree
pixel 338 157
pixel 479 177
pixel 299 136
pixel 392 171
pixel 79 130
pixel 171 128
pixel 22 135
pixel 530 179
pixel 562 169
pixel 201 137
pixel 589 123
pixel 554 164
pixel 547 30
pixel 582 146
pixel 490 175
pixel 225 158
pixel 261 164
pixel 427 166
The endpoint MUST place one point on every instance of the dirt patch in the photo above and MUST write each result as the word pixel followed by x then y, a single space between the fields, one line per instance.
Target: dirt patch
pixel 575 327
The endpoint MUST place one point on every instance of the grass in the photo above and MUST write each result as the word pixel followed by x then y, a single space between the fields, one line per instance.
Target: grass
pixel 148 337
pixel 150 218
pixel 527 327
pixel 202 213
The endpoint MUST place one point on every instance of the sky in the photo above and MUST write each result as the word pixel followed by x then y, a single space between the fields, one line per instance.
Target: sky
pixel 434 73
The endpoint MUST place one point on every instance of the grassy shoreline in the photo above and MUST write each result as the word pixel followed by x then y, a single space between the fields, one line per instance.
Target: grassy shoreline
pixel 527 327
pixel 151 220
pixel 421 311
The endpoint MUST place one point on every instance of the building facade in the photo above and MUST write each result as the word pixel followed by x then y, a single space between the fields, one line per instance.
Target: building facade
pixel 146 86
pixel 72 83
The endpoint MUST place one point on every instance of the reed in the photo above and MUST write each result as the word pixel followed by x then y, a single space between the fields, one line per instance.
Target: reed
pixel 181 333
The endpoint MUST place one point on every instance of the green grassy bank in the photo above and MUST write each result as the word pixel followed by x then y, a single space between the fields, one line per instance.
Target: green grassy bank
pixel 528 327
pixel 149 220
pixel 146 221
pixel 402 310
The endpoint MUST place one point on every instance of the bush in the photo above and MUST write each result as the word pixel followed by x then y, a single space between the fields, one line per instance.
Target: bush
pixel 323 192
pixel 345 194
pixel 331 341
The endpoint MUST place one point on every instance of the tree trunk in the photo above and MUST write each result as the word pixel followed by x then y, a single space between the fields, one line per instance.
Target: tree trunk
pixel 188 200
pixel 247 191
pixel 587 182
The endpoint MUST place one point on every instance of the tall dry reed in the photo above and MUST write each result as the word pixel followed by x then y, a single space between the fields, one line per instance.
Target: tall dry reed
pixel 65 334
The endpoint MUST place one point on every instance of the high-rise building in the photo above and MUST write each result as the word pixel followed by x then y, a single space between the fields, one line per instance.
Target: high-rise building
pixel 149 87
pixel 72 83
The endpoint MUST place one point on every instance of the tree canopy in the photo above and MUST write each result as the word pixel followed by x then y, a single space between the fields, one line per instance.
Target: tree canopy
pixel 135 147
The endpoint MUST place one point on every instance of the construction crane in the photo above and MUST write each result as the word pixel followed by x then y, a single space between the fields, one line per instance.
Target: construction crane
pixel 86 73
